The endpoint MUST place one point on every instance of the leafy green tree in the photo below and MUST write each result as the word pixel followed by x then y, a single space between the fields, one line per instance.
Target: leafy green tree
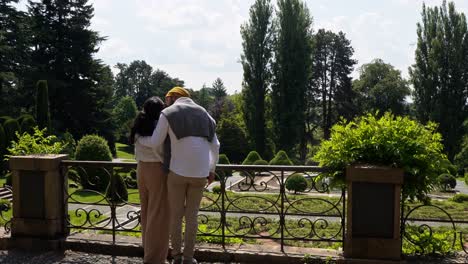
pixel 63 54
pixel 233 139
pixel 439 73
pixel 219 90
pixel 381 87
pixel 291 70
pixel 219 94
pixel 15 49
pixel 331 82
pixel 42 105
pixel 461 159
pixel 124 113
pixel 256 57
pixel 139 81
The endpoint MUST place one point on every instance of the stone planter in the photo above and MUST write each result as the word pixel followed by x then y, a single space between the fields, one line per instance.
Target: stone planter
pixel 39 206
pixel 373 213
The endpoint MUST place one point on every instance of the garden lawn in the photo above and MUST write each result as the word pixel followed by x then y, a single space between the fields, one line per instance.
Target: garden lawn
pixel 125 152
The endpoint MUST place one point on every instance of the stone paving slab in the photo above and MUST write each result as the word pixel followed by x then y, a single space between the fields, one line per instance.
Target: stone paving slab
pixel 67 257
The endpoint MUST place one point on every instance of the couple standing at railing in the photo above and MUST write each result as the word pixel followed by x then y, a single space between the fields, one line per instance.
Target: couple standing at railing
pixel 177 149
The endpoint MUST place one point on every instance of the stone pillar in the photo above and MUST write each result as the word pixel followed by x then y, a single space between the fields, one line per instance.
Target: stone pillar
pixel 39 206
pixel 373 214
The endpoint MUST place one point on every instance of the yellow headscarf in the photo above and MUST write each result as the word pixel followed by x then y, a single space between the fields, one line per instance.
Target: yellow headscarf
pixel 178 91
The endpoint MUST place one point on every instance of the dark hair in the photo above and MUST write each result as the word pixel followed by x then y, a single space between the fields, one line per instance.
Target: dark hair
pixel 145 122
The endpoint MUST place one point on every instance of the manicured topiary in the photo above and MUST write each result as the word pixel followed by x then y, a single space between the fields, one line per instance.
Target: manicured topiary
pixel 296 183
pixel 27 124
pixel 460 198
pixel 117 190
pixel 11 126
pixel 223 159
pixel 42 105
pixel 261 162
pixel 251 158
pixel 446 182
pixel 281 158
pixel 94 147
pixel 386 141
pixel 216 189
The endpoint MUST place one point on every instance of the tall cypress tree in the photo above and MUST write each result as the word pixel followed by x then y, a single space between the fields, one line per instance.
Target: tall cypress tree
pixel 440 73
pixel 291 69
pixel 42 105
pixel 257 44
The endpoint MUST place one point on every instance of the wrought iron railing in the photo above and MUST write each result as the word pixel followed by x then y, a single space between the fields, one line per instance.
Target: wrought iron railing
pixel 6 208
pixel 251 202
pixel 430 229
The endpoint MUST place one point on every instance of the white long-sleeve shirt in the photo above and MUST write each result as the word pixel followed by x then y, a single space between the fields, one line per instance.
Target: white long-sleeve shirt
pixel 148 154
pixel 190 156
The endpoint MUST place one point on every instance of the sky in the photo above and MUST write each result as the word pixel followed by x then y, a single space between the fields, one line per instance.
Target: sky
pixel 199 40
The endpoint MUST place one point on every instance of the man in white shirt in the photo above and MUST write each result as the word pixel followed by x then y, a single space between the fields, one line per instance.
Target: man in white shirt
pixel 194 153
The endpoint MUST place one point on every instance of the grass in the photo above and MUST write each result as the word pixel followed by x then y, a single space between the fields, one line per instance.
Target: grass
pixel 2 181
pixel 93 197
pixel 125 152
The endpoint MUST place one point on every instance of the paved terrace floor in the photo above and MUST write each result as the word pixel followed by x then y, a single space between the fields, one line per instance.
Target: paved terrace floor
pixel 72 257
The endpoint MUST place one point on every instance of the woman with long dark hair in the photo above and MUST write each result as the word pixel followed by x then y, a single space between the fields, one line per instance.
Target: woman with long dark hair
pixel 152 185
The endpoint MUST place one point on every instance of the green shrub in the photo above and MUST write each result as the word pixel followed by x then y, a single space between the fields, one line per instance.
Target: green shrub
pixel 70 144
pixel 27 124
pixel 94 147
pixel 11 126
pixel 36 143
pixel 386 141
pixel 281 158
pixel 221 174
pixel 429 242
pixel 460 198
pixel 296 183
pixel 466 178
pixel 261 162
pixel 251 158
pixel 446 182
pixel 117 190
pixel 217 189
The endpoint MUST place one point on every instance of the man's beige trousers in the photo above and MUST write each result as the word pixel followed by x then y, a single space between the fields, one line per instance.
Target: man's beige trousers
pixel 152 185
pixel 185 194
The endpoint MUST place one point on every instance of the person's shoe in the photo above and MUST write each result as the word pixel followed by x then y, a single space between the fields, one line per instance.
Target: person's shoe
pixel 190 261
pixel 177 259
